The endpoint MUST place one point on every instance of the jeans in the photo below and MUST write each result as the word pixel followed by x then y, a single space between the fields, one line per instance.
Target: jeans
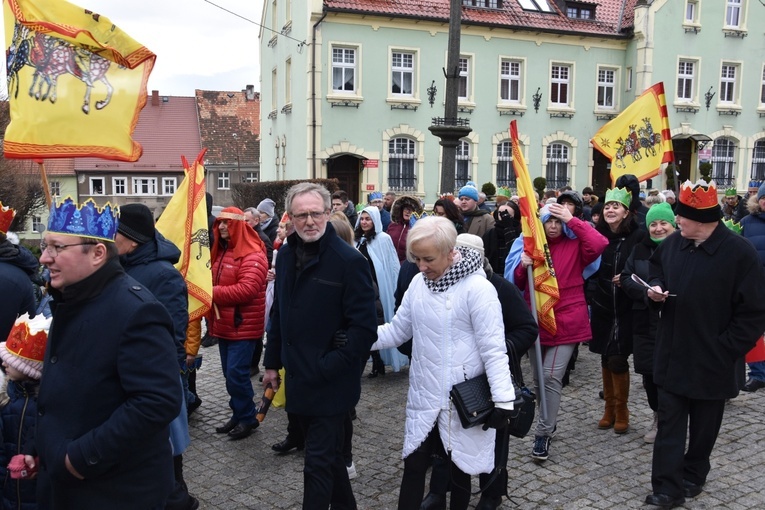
pixel 757 371
pixel 235 357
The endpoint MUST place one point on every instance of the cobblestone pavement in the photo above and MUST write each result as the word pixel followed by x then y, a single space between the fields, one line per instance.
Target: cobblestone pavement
pixel 588 468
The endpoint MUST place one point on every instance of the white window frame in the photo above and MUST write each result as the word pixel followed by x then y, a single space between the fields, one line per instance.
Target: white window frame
pixel 250 176
pixel 401 67
pixel 604 85
pixel 94 180
pixel 402 149
pixel 724 165
pixel 509 76
pixel 55 188
pixel 173 182
pixel 762 88
pixel 343 66
pixel 464 87
pixel 288 81
pixel 139 182
pixel 274 89
pixel 628 76
pixel 224 179
pixel 691 13
pixel 556 79
pixel 682 74
pixel 563 157
pixel 118 182
pixel 463 158
pixel 757 172
pixel 729 86
pixel 734 14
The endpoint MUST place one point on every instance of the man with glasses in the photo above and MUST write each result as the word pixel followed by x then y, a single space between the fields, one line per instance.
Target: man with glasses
pixel 376 199
pixel 322 324
pixel 111 375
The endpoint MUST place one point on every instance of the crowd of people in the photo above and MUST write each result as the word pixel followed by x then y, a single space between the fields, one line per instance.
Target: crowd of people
pixel 443 290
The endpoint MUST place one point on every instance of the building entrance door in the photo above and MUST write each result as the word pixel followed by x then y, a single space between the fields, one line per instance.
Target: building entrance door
pixel 346 170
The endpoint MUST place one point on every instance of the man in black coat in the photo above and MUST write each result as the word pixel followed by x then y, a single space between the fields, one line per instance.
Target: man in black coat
pixel 111 386
pixel 16 267
pixel 712 318
pixel 322 325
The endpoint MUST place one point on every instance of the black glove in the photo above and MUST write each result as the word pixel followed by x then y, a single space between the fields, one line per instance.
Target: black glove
pixel 499 418
pixel 340 339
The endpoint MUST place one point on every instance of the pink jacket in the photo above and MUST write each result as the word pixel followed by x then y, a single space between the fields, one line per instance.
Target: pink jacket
pixel 570 257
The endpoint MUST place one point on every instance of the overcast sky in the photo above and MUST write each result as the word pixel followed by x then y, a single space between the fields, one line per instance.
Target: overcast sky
pixel 198 45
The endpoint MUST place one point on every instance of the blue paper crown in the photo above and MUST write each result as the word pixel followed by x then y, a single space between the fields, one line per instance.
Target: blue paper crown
pixel 86 220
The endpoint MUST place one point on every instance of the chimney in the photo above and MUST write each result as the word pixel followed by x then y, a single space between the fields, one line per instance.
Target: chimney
pixel 155 97
pixel 250 92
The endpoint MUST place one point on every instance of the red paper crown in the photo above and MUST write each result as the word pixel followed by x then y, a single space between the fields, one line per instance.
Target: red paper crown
pixel 24 344
pixel 6 218
pixel 698 196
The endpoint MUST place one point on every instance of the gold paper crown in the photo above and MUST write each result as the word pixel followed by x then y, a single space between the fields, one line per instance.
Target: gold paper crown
pixel 6 217
pixel 700 195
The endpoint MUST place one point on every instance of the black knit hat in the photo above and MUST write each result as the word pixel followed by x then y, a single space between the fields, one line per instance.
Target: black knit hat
pixel 136 223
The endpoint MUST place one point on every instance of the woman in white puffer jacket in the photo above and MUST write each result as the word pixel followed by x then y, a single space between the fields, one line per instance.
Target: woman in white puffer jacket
pixel 454 316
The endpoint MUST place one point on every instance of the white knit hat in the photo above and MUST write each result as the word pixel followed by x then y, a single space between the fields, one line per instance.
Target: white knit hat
pixel 470 241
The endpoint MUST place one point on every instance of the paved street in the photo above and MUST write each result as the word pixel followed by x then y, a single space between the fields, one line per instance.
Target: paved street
pixel 587 468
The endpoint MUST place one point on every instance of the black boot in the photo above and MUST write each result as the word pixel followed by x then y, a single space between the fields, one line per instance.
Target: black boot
pixel 378 367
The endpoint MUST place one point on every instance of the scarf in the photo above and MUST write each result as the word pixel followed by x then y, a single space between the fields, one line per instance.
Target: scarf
pixel 469 262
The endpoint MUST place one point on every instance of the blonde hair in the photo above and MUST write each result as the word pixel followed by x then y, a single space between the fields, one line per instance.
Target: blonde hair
pixel 342 226
pixel 440 231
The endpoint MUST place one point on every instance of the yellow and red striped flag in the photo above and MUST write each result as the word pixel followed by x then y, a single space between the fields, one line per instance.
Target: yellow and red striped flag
pixel 638 140
pixel 546 292
pixel 76 83
pixel 184 223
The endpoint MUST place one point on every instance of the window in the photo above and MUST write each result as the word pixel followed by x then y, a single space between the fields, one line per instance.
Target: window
pixel 250 177
pixel 733 13
pixel 55 188
pixel 274 17
pixel 557 165
pixel 559 78
pixel 37 224
pixel 288 81
pixel 723 162
pixel 224 180
pixel 505 172
pixel 606 87
pixel 685 80
pixel 402 73
pixel 489 4
pixel 464 88
pixel 462 164
pixel 728 84
pixel 97 186
pixel 758 160
pixel 119 185
pixel 535 5
pixel 401 161
pixel 629 78
pixel 510 81
pixel 144 185
pixel 762 87
pixel 168 185
pixel 344 69
pixel 691 11
pixel 580 12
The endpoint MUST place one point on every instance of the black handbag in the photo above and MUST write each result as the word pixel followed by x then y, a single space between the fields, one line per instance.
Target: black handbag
pixel 472 400
pixel 521 423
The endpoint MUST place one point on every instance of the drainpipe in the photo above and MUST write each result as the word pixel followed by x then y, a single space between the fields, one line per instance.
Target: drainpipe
pixel 313 94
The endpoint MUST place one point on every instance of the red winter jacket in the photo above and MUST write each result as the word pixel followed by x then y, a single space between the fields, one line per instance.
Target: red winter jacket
pixel 239 296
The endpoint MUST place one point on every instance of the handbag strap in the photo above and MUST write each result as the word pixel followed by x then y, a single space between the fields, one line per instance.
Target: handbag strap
pixel 515 363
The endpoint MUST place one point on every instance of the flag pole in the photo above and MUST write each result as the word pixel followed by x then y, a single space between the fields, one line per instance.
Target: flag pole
pixel 537 347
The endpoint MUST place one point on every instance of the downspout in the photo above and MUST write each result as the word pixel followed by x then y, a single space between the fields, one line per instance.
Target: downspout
pixel 620 19
pixel 313 94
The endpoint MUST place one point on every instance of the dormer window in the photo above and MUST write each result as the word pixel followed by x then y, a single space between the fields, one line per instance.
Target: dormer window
pixel 486 4
pixel 580 11
pixel 535 5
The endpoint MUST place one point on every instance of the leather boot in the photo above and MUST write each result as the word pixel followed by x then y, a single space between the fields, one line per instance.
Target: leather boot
pixel 621 395
pixel 607 421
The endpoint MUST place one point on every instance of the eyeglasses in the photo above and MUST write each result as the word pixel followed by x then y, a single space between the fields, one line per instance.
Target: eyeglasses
pixel 303 217
pixel 54 250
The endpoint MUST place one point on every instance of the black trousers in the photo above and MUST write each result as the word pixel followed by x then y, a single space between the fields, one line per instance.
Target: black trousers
pixel 325 477
pixel 679 417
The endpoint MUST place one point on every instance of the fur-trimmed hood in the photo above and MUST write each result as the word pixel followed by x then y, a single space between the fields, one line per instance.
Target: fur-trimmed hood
pixel 753 205
pixel 398 206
